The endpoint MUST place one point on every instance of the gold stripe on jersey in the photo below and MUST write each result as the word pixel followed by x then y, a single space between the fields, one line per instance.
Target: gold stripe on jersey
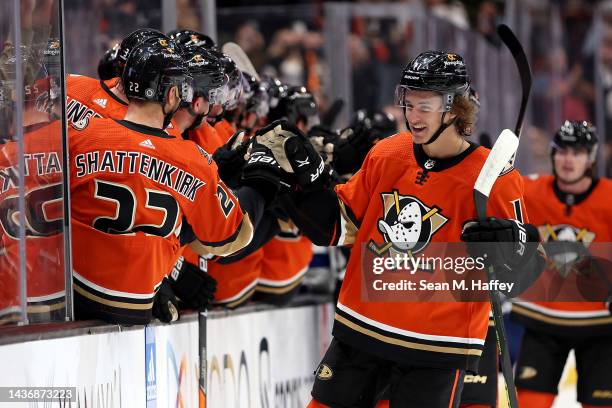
pixel 241 240
pixel 112 303
pixel 279 290
pixel 408 344
pixel 591 321
pixel 348 227
pixel 238 302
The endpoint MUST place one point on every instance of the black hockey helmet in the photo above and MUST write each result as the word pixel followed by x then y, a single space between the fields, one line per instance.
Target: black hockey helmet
pixel 576 135
pixel 191 38
pixel 380 124
pixel 206 70
pixel 108 67
pixel 436 71
pixel 276 90
pixel 132 40
pixel 296 104
pixel 152 68
pixel 234 79
pixel 256 96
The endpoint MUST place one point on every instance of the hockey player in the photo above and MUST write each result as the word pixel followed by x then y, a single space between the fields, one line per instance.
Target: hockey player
pixel 43 193
pixel 138 194
pixel 572 210
pixel 427 347
pixel 90 97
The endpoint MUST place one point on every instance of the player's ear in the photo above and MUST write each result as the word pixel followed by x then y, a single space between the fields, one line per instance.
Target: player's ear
pixel 173 96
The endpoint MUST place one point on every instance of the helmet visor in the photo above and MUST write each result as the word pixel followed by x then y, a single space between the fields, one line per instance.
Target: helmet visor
pixel 412 99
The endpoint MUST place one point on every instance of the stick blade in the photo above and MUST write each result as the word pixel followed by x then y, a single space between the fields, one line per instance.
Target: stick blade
pixel 237 54
pixel 504 148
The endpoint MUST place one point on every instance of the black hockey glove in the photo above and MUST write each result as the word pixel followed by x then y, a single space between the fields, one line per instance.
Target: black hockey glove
pixel 230 159
pixel 500 241
pixel 194 287
pixel 165 304
pixel 352 148
pixel 262 172
pixel 295 154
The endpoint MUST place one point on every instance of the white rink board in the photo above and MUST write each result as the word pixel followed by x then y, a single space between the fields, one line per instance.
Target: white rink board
pixel 106 367
pixel 177 367
pixel 266 359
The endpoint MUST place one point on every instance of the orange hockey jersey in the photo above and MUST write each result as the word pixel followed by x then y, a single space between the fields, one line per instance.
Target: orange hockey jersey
pixel 206 137
pixel 92 98
pixel 440 193
pixel 44 243
pixel 588 220
pixel 225 130
pixel 285 261
pixel 134 191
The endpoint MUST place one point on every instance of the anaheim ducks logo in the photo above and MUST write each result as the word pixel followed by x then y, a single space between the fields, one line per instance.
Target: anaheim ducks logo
pixel 566 232
pixel 407 224
pixel 564 244
pixel 55 44
pixel 324 372
pixel 163 42
pixel 451 57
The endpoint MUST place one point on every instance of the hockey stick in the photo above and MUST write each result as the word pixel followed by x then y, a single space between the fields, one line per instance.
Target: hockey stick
pixel 237 54
pixel 503 150
pixel 520 59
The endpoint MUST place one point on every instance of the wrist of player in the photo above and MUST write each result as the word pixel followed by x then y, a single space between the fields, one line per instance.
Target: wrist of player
pixel 165 303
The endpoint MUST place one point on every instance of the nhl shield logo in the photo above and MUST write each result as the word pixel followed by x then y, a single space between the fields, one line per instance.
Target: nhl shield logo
pixel 407 224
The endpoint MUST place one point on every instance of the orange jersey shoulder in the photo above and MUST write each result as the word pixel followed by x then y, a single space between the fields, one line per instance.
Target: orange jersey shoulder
pixel 225 130
pixel 89 97
pixel 206 137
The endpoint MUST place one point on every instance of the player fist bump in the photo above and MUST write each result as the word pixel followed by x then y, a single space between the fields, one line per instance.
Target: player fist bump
pixel 294 153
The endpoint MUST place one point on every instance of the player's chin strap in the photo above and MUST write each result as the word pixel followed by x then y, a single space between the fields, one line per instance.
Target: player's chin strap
pixel 168 116
pixel 441 129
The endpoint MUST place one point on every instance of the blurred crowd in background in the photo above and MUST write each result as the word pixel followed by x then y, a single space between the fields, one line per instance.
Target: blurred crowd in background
pixel 570 64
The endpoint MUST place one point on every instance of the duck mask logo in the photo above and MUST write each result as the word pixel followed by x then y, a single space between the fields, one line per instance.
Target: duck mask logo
pixel 407 225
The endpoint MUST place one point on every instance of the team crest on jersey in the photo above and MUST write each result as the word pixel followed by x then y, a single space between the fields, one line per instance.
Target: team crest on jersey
pixel 407 224
pixel 560 245
pixel 566 232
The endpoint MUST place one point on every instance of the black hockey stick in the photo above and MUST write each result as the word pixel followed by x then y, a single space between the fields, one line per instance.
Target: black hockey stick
pixel 520 59
pixel 503 150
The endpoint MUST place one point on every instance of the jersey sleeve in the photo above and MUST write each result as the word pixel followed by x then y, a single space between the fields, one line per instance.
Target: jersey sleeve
pixel 507 198
pixel 354 197
pixel 214 214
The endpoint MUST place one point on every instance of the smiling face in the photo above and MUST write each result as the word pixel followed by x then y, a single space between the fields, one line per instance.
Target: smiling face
pixel 571 164
pixel 423 113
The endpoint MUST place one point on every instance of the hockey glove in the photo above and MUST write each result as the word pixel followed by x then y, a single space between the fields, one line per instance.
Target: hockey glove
pixel 295 154
pixel 262 172
pixel 352 148
pixel 500 241
pixel 194 287
pixel 165 304
pixel 230 159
